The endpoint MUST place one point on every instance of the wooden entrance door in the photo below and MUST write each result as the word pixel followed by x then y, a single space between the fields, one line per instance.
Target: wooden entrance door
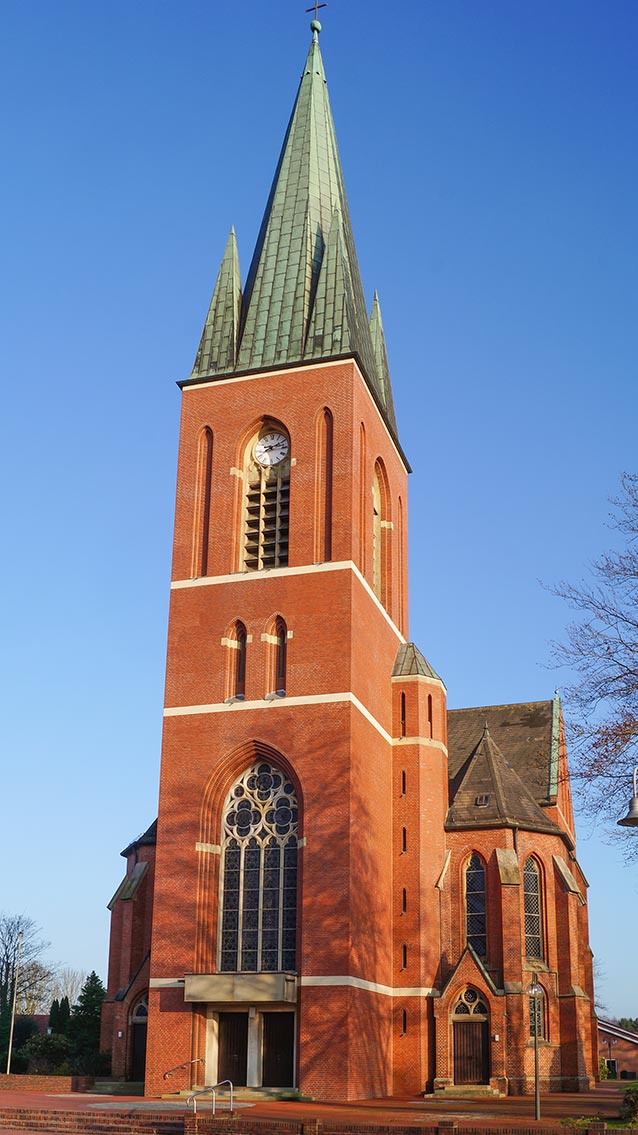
pixel 471 1052
pixel 233 1048
pixel 138 1061
pixel 278 1069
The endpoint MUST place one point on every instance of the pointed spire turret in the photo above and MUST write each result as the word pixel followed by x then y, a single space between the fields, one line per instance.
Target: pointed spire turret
pixel 218 345
pixel 303 299
pixel 381 359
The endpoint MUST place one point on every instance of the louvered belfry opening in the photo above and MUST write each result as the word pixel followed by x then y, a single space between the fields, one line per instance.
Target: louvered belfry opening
pixel 266 514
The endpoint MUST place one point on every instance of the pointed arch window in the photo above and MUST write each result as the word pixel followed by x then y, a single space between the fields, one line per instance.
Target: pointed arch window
pixel 381 530
pixel 533 910
pixel 258 907
pixel 476 905
pixel 235 643
pixel 203 497
pixel 470 1004
pixel 376 536
pixel 267 499
pixel 363 500
pixel 323 487
pixel 281 652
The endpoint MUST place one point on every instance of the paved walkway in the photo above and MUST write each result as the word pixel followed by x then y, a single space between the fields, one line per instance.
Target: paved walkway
pixel 513 1112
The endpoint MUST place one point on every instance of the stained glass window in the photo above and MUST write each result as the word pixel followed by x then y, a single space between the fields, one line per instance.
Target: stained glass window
pixel 258 918
pixel 532 910
pixel 475 906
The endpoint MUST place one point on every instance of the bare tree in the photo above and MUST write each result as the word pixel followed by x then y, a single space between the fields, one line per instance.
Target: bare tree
pixel 33 975
pixel 68 982
pixel 601 645
pixel 34 988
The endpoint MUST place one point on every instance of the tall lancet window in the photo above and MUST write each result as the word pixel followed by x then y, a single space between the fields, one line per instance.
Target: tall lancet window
pixel 381 530
pixel 281 651
pixel 259 873
pixel 323 487
pixel 476 906
pixel 266 500
pixel 203 497
pixel 533 909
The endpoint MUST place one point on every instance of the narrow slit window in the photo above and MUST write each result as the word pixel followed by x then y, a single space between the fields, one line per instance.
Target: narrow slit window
pixel 404 901
pixel 430 717
pixel 404 840
pixel 404 956
pixel 404 783
pixel 323 490
pixel 240 661
pixel 281 656
pixel 403 724
pixel 404 1022
pixel 203 497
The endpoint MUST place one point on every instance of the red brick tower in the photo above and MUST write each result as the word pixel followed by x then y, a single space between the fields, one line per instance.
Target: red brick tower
pixel 303 783
pixel 340 902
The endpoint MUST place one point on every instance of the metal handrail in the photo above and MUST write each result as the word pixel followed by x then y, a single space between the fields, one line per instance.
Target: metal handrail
pixel 186 1064
pixel 212 1088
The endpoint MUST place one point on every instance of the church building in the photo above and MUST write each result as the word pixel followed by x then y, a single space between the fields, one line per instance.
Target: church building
pixel 348 890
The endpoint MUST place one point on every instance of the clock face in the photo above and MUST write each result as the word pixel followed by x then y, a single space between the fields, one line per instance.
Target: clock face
pixel 271 449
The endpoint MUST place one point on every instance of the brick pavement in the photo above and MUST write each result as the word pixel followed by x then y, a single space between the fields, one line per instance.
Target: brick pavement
pixel 511 1113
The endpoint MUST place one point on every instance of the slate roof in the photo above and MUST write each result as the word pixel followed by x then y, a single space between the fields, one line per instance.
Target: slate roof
pixel 526 734
pixel 147 839
pixel 409 660
pixel 303 299
pixel 487 792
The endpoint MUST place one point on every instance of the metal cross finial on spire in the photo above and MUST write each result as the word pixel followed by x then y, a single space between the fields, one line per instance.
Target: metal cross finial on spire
pixel 315 26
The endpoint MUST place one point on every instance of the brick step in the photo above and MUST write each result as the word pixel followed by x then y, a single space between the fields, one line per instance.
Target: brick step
pixel 469 1092
pixel 91 1122
pixel 239 1094
pixel 116 1088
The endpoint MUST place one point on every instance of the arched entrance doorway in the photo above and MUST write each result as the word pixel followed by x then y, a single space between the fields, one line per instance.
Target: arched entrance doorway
pixel 471 1029
pixel 139 1022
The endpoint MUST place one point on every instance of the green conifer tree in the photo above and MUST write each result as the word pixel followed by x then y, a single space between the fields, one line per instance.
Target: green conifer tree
pixel 65 1016
pixel 54 1016
pixel 84 1027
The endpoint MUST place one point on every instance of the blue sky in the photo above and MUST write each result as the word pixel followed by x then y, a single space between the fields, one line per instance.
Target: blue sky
pixel 490 159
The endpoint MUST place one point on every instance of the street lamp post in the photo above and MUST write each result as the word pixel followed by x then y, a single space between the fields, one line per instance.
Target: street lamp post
pixel 13 1003
pixel 535 993
pixel 610 1042
pixel 631 819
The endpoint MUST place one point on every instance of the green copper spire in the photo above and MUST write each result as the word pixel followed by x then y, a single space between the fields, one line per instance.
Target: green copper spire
pixel 303 299
pixel 218 346
pixel 381 359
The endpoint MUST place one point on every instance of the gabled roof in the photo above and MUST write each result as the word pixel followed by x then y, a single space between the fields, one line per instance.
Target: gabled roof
pixel 409 660
pixel 614 1029
pixel 486 792
pixel 303 299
